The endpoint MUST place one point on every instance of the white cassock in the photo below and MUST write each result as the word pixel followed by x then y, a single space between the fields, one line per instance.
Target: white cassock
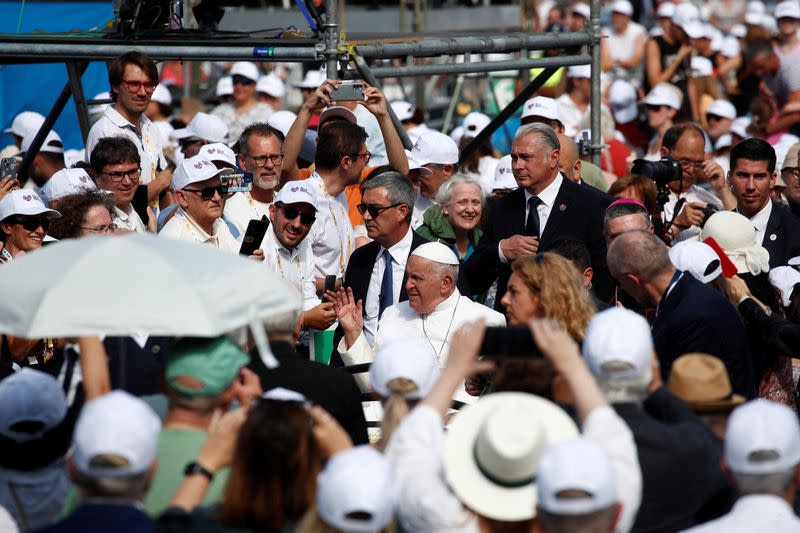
pixel 435 328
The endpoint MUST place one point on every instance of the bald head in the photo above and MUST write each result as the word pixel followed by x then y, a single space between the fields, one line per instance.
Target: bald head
pixel 569 162
pixel 639 253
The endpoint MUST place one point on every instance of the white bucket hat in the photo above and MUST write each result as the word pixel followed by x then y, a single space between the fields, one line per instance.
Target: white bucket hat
pixel 736 235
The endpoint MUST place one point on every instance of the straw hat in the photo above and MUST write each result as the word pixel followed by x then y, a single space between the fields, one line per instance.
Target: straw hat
pixel 701 381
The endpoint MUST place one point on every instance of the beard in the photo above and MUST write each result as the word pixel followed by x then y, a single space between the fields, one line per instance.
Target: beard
pixel 266 182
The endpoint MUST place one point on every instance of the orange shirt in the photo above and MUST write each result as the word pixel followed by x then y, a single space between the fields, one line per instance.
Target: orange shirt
pixel 352 192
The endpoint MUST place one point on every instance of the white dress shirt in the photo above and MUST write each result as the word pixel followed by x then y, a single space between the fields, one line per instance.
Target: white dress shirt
pixel 332 238
pixel 182 226
pixel 399 253
pixel 240 208
pixel 132 221
pixel 295 266
pixel 421 204
pixel 146 137
pixel 757 512
pixel 760 221
pixel 548 199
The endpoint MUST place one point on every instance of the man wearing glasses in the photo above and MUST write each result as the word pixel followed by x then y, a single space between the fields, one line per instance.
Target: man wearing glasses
pixel 261 153
pixel 133 78
pixel 245 108
pixel 24 221
pixel 116 167
pixel 201 198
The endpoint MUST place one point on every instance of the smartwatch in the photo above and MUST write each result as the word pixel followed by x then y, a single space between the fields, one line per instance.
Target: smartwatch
pixel 196 468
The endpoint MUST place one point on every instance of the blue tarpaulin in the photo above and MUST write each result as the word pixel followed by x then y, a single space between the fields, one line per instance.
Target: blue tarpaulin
pixel 35 87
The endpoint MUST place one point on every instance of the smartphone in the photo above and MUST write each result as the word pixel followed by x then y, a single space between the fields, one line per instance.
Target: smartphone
pixel 330 283
pixel 515 341
pixel 256 229
pixel 8 167
pixel 349 91
pixel 237 182
pixel 139 203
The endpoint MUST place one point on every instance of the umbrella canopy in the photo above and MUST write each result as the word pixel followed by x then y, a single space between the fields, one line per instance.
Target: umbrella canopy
pixel 137 284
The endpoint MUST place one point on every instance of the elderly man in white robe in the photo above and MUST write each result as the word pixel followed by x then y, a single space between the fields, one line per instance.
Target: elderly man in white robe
pixel 434 311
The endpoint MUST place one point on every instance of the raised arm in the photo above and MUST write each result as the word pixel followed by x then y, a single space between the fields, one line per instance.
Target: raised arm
pixel 395 152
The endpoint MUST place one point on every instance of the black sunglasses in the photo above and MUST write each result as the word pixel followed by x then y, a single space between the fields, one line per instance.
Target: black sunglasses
pixel 242 80
pixel 32 224
pixel 653 107
pixel 711 116
pixel 207 193
pixel 291 213
pixel 374 210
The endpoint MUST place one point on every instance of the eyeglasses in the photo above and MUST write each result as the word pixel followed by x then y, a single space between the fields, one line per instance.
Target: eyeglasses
pixel 653 107
pixel 241 80
pixel 207 193
pixel 686 164
pixel 292 213
pixel 374 210
pixel 133 175
pixel 110 228
pixel 32 224
pixel 366 156
pixel 261 160
pixel 134 86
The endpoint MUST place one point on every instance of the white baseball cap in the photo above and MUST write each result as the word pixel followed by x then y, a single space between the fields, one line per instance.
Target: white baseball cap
pixel 576 464
pixel 116 424
pixel 739 31
pixel 503 175
pixel 297 193
pixel 618 344
pixel 623 101
pixel 25 123
pixel 762 437
pixel 246 69
pixel 193 170
pixel 685 14
pixel 722 108
pixel 312 79
pixel 52 143
pixel 725 141
pixel 34 397
pixel 218 152
pixel 435 147
pixel 335 111
pixel 356 480
pixel 541 106
pixel 698 259
pixel 65 182
pixel 403 110
pixel 701 66
pixel 622 6
pixel 272 85
pixel 24 202
pixel 736 236
pixel 474 123
pixel 224 86
pixel 664 94
pixel 282 120
pixel 784 278
pixel 789 9
pixel 457 134
pixel 665 10
pixel 582 9
pixel 754 12
pixel 739 127
pixel 161 95
pixel 413 164
pixel 206 127
pixel 281 394
pixel 579 71
pixel 407 358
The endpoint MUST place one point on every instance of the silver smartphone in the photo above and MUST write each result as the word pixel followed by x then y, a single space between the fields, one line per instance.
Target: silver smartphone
pixel 349 91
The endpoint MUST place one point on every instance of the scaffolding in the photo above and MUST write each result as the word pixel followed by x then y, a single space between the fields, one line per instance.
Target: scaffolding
pixel 327 47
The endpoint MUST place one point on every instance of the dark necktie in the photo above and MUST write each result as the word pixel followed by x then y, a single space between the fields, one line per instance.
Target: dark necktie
pixel 387 292
pixel 532 222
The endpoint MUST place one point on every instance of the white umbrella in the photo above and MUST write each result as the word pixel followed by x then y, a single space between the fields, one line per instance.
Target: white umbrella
pixel 137 284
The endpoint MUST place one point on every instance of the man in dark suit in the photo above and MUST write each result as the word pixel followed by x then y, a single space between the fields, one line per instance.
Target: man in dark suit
pixel 547 206
pixel 752 177
pixel 376 271
pixel 690 316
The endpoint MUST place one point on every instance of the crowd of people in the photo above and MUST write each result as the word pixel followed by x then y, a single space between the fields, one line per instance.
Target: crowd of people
pixel 483 342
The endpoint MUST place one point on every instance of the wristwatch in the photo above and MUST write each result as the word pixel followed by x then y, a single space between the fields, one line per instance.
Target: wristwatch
pixel 196 468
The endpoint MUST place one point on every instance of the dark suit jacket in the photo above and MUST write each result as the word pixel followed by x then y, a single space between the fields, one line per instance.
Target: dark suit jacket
pixel 681 475
pixel 577 213
pixel 335 390
pixel 785 227
pixel 104 518
pixel 697 318
pixel 358 275
pixel 139 371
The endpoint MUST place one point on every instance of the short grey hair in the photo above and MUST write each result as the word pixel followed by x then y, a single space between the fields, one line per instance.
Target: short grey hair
pixel 630 390
pixel 399 189
pixel 259 129
pixel 601 520
pixel 132 486
pixel 444 196
pixel 548 138
pixel 775 483
pixel 443 270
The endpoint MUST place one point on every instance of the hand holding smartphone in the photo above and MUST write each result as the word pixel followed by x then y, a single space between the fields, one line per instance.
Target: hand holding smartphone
pixel 253 236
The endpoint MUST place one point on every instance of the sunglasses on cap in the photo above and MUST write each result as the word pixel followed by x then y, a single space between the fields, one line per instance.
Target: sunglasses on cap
pixel 242 80
pixel 31 223
pixel 291 213
pixel 207 193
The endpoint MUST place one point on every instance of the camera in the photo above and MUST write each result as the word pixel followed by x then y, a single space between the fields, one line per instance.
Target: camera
pixel 708 210
pixel 662 171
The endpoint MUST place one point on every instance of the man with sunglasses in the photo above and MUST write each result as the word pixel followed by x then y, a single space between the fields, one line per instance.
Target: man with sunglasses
pixel 719 118
pixel 133 78
pixel 202 129
pixel 24 221
pixel 201 198
pixel 245 109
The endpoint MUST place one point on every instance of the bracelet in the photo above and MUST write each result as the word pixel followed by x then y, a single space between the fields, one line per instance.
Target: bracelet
pixel 196 468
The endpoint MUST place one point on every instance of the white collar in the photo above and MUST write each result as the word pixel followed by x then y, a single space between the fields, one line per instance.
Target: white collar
pixel 201 233
pixel 761 219
pixel 401 249
pixel 115 117
pixel 548 195
pixel 121 214
pixel 279 247
pixel 449 302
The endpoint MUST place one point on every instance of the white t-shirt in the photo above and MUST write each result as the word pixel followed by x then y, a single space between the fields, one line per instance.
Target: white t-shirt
pixel 132 221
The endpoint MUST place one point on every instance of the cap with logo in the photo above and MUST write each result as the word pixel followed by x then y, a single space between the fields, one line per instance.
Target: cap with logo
pixel 337 111
pixel 623 101
pixel 245 69
pixel 618 344
pixel 435 147
pixel 297 193
pixel 161 95
pixel 25 123
pixel 503 175
pixel 762 437
pixel 65 182
pixel 212 364
pixel 664 94
pixel 403 110
pixel 405 358
pixel 541 106
pixel 52 143
pixel 272 85
pixel 194 170
pixel 224 86
pixel 24 202
pixel 206 127
pixel 218 152
pixel 31 404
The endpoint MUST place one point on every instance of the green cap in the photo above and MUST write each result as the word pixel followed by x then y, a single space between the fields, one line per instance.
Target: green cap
pixel 214 362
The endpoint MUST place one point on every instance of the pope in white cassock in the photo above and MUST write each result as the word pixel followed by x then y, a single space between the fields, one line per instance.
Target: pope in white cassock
pixel 434 311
